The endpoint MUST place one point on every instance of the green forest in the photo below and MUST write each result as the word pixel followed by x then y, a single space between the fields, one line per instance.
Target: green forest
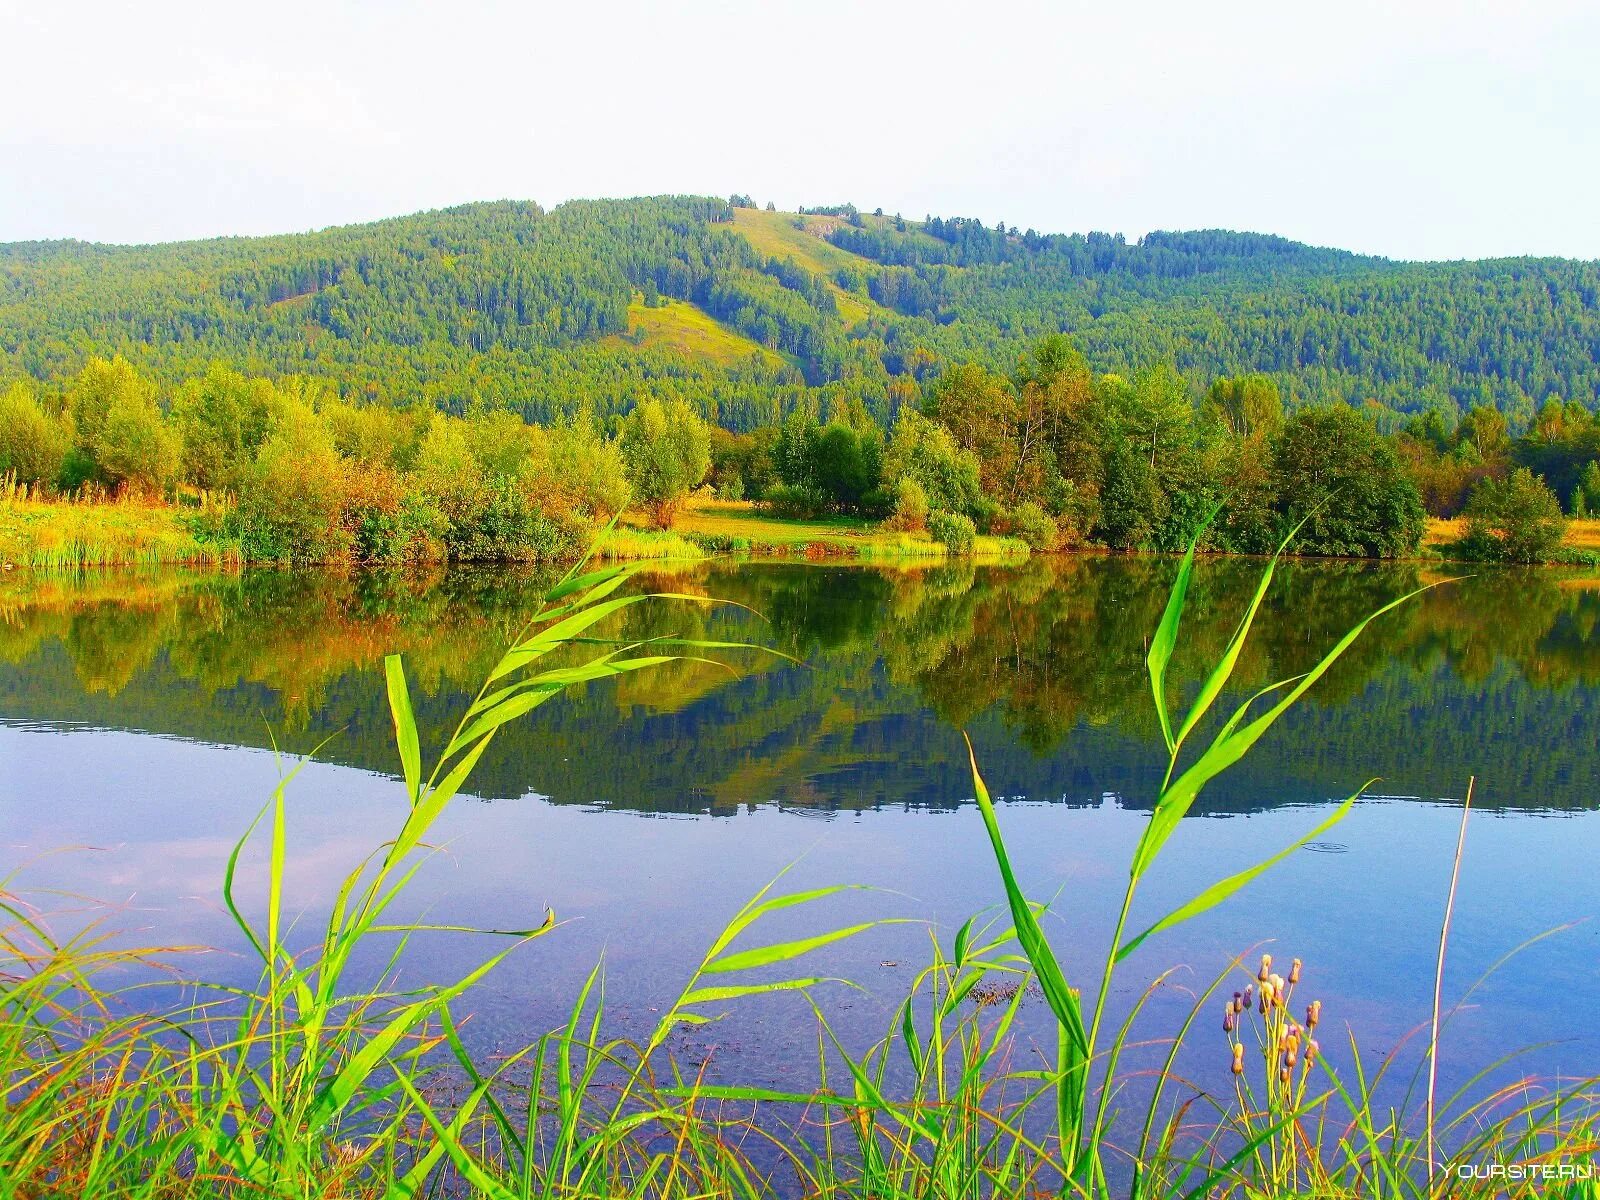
pixel 492 381
pixel 510 305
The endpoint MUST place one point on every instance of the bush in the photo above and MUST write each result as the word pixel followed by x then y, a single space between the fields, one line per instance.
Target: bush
pixel 1516 519
pixel 1034 526
pixel 955 530
pixel 910 514
pixel 291 500
pixel 795 503
pixel 33 444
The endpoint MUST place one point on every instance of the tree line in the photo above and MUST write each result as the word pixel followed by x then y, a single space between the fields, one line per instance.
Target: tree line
pixel 1052 452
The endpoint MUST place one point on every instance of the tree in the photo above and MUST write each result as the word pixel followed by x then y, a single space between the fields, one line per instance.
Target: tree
pixel 134 448
pixel 980 410
pixel 1331 466
pixel 846 466
pixel 33 442
pixel 1515 519
pixel 667 451
pixel 1249 406
pixel 222 419
pixel 923 452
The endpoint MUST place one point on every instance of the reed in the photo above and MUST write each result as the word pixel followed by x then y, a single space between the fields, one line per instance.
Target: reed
pixel 319 1082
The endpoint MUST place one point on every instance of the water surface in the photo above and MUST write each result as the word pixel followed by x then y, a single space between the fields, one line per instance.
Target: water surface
pixel 138 716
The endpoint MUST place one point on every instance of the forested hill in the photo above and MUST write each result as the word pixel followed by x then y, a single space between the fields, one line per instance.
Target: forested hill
pixel 743 310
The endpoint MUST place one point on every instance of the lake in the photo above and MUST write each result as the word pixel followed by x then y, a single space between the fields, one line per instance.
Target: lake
pixel 139 715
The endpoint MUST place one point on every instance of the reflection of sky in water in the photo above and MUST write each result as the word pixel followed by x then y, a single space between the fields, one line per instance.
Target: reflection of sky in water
pixel 157 817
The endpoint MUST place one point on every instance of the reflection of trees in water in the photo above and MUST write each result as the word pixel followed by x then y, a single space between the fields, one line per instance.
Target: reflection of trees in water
pixel 1495 674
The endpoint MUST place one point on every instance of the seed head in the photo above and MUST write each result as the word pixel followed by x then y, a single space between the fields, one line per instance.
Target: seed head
pixel 1283 1076
pixel 1311 1050
pixel 1294 972
pixel 1313 1014
pixel 1249 996
pixel 1238 1058
pixel 1290 1058
pixel 1266 968
pixel 1277 984
pixel 1227 1019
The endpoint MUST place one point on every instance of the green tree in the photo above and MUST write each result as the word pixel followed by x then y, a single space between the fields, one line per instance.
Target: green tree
pixel 222 419
pixel 33 443
pixel 846 466
pixel 1249 406
pixel 924 452
pixel 667 451
pixel 980 409
pixel 1331 466
pixel 134 448
pixel 1515 519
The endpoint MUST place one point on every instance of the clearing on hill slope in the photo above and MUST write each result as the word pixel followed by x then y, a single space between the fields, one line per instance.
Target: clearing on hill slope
pixel 681 326
pixel 774 234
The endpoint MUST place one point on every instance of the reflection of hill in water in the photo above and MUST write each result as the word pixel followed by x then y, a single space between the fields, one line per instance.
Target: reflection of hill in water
pixel 1494 676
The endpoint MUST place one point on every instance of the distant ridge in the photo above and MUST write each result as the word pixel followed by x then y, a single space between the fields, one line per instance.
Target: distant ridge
pixel 506 303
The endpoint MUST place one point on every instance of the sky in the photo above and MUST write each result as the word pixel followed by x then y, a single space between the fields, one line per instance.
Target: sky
pixel 1410 129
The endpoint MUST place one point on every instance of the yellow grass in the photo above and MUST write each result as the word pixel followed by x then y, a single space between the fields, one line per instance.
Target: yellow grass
pixel 818 538
pixel 774 234
pixel 1581 535
pixel 67 535
pixel 680 326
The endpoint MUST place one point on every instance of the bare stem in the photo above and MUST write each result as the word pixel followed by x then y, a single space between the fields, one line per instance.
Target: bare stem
pixel 1438 975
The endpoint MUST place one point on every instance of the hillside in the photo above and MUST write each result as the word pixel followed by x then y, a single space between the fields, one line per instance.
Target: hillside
pixel 742 311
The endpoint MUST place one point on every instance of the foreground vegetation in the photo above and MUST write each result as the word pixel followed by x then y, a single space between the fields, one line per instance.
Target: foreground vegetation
pixel 318 1081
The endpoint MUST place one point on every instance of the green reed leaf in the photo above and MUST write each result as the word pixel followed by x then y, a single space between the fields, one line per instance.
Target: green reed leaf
pixel 762 956
pixel 405 724
pixel 1222 889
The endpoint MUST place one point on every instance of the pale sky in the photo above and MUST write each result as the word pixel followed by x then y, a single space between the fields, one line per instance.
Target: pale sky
pixel 1416 130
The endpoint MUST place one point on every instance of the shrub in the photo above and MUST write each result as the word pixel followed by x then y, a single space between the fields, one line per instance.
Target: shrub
pixel 291 499
pixel 33 443
pixel 1516 519
pixel 911 509
pixel 1034 526
pixel 955 530
pixel 794 503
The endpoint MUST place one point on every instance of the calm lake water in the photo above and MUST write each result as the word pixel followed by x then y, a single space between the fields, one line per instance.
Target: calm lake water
pixel 138 715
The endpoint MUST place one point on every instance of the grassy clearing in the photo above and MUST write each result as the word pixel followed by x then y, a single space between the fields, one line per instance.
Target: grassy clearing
pixel 742 527
pixel 682 327
pixel 68 535
pixel 774 234
pixel 316 1082
pixel 1581 535
pixel 625 542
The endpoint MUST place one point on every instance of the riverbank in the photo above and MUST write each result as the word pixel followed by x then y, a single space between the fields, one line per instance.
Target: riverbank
pixel 68 535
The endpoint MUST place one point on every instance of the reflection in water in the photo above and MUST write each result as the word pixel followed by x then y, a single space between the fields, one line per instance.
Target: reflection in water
pixel 1494 675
